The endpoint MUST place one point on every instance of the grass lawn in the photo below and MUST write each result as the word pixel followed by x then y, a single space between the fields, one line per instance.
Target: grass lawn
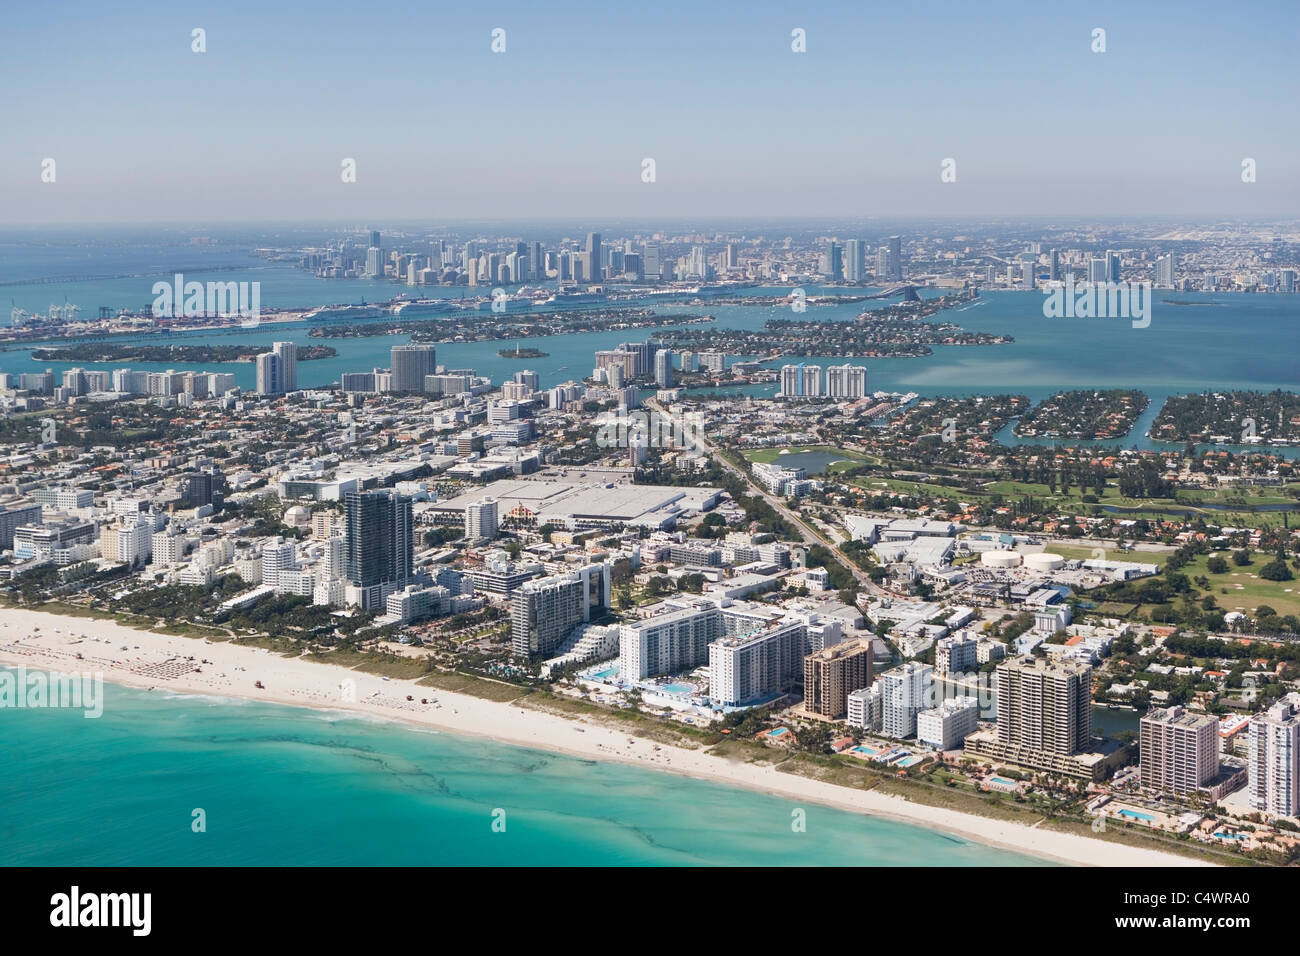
pixel 1246 590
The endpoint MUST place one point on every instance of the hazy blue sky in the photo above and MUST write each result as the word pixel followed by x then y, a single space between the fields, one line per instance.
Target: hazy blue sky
pixel 142 129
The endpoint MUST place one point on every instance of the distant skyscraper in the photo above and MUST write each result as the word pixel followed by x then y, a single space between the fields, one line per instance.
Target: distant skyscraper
pixel 1286 280
pixel 664 368
pixel 593 261
pixel 1112 266
pixel 410 364
pixel 378 542
pixel 1097 270
pixel 833 262
pixel 895 258
pixel 1027 274
pixel 855 260
pixel 288 355
pixel 846 382
pixel 375 239
pixel 481 519
pixel 1165 271
pixel 374 264
pixel 1054 270
pixel 650 261
pixel 269 381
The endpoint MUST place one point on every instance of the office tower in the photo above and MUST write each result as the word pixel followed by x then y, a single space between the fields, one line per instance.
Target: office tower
pixel 544 612
pixel 831 674
pixel 379 544
pixel 592 258
pixel 529 378
pixel 536 262
pixel 374 264
pixel 410 364
pixel 650 260
pixel 895 257
pixel 833 262
pixel 1097 270
pixel 1054 270
pixel 1274 785
pixel 1286 280
pixel 1027 274
pixel 1045 706
pixel 1180 750
pixel 269 376
pixel 288 355
pixel 1165 271
pixel 905 692
pixel 664 368
pixel 1112 266
pixel 375 242
pixel 846 382
pixel 481 519
pixel 197 488
pixel 882 264
pixel 855 260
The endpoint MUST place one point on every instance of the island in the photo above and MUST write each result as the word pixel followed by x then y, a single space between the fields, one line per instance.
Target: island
pixel 163 354
pixel 518 353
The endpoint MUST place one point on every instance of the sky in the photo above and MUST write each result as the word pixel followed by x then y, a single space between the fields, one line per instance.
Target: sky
pixel 441 128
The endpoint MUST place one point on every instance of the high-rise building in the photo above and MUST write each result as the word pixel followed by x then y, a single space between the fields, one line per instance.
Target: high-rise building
pixel 1054 269
pixel 375 242
pixel 592 261
pixel 895 258
pixel 1112 266
pixel 676 640
pixel 1274 771
pixel 269 376
pixel 846 382
pixel 288 355
pixel 664 368
pixel 1286 280
pixel 481 519
pixel 1165 271
pixel 1097 270
pixel 374 263
pixel 1045 705
pixel 905 692
pixel 378 543
pixel 833 262
pixel 831 674
pixel 546 610
pixel 410 364
pixel 955 654
pixel 855 260
pixel 946 726
pixel 1179 750
pixel 801 381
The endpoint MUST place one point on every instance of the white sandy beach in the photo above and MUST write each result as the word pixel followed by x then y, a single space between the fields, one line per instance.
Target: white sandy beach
pixel 39 640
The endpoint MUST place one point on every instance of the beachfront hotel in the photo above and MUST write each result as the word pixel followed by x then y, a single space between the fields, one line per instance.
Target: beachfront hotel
pixel 674 640
pixel 545 611
pixel 1180 750
pixel 905 691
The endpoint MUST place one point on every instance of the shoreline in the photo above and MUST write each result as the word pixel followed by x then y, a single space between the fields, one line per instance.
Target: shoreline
pixel 47 641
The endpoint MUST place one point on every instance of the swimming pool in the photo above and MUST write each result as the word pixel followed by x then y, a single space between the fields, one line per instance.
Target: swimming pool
pixel 676 688
pixel 1002 781
pixel 910 761
pixel 605 674
pixel 1134 815
pixel 866 750
pixel 1230 836
pixel 778 732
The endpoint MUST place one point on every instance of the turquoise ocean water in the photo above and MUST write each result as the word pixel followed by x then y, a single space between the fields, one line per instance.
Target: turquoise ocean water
pixel 290 786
